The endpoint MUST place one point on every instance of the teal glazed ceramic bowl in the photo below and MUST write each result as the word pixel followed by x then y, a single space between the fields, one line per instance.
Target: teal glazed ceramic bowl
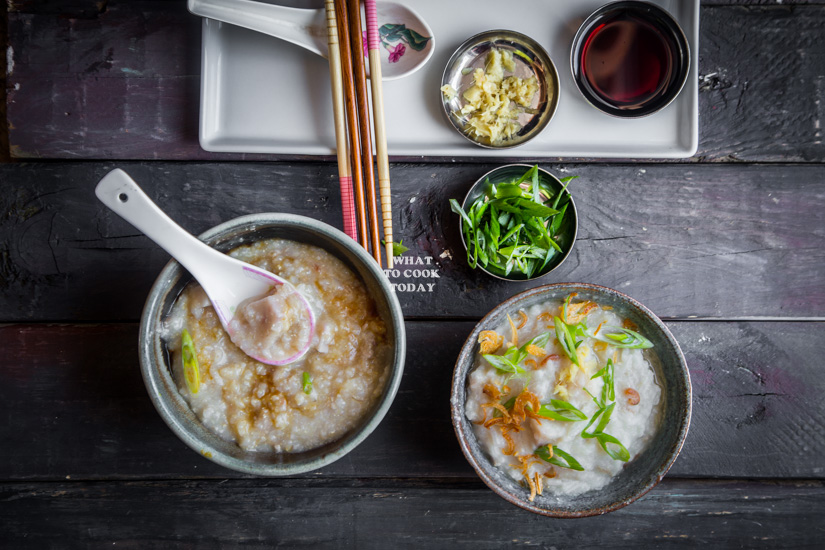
pixel 154 357
pixel 640 474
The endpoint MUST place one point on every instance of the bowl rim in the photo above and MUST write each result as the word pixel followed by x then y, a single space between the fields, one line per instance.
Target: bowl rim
pixel 480 181
pixel 163 391
pixel 678 33
pixel 552 76
pixel 457 405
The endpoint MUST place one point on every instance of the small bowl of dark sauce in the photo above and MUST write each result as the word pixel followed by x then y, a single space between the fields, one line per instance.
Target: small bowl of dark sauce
pixel 630 59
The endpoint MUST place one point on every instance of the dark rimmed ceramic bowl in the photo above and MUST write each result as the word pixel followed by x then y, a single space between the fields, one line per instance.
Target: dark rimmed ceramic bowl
pixel 154 357
pixel 569 227
pixel 643 472
pixel 671 34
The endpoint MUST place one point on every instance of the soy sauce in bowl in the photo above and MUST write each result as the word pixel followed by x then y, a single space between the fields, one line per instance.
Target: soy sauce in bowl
pixel 630 59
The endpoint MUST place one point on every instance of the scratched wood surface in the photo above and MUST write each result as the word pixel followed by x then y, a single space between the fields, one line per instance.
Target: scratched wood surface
pixel 123 81
pixel 757 413
pixel 726 246
pixel 709 241
pixel 393 514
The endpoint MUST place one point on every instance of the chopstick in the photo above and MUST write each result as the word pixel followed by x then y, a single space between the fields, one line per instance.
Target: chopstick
pixel 357 49
pixel 351 105
pixel 382 157
pixel 341 143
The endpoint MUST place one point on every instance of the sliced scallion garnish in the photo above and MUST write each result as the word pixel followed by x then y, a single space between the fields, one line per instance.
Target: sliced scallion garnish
pixel 191 373
pixel 511 359
pixel 504 364
pixel 608 389
pixel 621 337
pixel 562 411
pixel 553 455
pixel 306 383
pixel 612 446
pixel 566 339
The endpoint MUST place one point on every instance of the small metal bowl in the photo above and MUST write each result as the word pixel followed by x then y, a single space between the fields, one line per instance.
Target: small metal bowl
pixel 155 361
pixel 640 474
pixel 568 229
pixel 530 59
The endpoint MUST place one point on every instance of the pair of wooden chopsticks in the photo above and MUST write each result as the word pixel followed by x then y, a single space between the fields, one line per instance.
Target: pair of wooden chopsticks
pixel 352 124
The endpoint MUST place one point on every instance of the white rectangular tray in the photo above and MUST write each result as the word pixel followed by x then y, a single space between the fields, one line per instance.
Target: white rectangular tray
pixel 263 95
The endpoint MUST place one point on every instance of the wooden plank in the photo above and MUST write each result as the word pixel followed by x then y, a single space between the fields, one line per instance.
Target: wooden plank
pixel 267 513
pixel 122 82
pixel 710 241
pixel 72 403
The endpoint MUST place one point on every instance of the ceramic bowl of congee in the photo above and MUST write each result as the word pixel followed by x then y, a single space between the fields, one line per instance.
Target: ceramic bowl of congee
pixel 276 420
pixel 571 400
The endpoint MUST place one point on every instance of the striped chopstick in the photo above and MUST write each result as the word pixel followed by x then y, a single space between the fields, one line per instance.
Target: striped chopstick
pixel 359 72
pixel 341 142
pixel 380 130
pixel 351 106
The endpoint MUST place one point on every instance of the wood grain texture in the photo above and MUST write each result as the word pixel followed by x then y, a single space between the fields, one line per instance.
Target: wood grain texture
pixel 267 513
pixel 76 406
pixel 124 82
pixel 710 241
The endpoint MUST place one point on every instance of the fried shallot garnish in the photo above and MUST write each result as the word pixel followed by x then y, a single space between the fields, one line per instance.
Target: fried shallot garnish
pixel 551 357
pixel 510 449
pixel 490 341
pixel 513 331
pixel 546 317
pixel 492 391
pixel 578 311
pixel 525 462
pixel 535 350
pixel 628 324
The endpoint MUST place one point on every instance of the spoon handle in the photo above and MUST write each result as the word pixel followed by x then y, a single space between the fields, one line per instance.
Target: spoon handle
pixel 303 27
pixel 120 193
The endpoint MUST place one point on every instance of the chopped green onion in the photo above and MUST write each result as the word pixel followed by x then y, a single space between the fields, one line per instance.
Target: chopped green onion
pixel 562 411
pixel 619 454
pixel 398 248
pixel 306 383
pixel 603 415
pixel 504 364
pixel 553 456
pixel 622 338
pixel 190 362
pixel 565 338
pixel 608 389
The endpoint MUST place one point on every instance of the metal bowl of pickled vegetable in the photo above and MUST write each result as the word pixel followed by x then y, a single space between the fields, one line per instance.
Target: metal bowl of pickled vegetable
pixel 524 93
pixel 518 222
pixel 650 456
pixel 156 359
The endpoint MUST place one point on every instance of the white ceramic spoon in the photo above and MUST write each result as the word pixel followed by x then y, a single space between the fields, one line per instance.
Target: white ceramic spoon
pixel 229 283
pixel 308 28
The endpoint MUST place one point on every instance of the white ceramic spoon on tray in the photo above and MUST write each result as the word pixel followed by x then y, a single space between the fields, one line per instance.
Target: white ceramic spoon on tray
pixel 406 37
pixel 264 314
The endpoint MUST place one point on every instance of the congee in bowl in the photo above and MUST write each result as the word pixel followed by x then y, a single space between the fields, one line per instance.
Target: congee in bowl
pixel 571 400
pixel 277 420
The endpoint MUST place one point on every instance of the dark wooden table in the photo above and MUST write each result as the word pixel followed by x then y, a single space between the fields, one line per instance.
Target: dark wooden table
pixel 728 247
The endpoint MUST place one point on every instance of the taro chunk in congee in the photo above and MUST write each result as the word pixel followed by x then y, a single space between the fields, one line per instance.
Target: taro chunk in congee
pixel 302 405
pixel 563 396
